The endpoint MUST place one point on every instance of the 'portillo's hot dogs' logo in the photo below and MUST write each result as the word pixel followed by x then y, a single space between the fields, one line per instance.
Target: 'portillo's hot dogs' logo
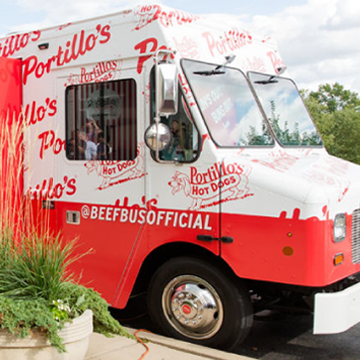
pixel 204 188
pixel 116 172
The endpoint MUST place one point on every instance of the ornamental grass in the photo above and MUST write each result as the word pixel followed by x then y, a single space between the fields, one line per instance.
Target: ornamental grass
pixel 37 291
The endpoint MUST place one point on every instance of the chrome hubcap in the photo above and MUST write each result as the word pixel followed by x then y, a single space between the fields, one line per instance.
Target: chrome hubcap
pixel 192 307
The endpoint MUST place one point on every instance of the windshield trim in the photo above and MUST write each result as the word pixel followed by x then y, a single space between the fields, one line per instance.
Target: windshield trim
pixel 263 115
pixel 272 76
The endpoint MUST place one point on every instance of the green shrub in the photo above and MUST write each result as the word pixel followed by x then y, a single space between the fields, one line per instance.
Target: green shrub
pixel 37 292
pixel 36 289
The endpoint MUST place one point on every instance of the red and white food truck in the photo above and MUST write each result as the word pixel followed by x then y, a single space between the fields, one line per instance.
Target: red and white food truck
pixel 172 145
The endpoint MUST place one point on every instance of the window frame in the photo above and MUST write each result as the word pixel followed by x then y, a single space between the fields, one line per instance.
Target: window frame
pixel 72 121
pixel 256 100
pixel 187 111
pixel 286 146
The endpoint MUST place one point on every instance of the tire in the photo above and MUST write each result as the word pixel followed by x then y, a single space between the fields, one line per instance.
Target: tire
pixel 192 300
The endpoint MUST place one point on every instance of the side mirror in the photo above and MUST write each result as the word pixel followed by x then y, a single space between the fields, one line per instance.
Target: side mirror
pixel 167 89
pixel 158 136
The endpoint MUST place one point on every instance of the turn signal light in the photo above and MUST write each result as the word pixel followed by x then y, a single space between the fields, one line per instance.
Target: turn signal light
pixel 338 259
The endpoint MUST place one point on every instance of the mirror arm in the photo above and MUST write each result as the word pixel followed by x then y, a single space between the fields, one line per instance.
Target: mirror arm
pixel 157 111
pixel 157 152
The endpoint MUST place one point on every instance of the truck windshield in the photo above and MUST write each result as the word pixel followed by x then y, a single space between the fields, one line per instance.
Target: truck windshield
pixel 227 104
pixel 285 110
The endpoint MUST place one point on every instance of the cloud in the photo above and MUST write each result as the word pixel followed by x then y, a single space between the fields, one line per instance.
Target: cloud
pixel 318 40
pixel 71 10
pixel 346 16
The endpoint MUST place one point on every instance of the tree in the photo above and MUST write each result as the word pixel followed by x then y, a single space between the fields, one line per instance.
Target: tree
pixel 323 120
pixel 336 113
pixel 335 98
pixel 346 135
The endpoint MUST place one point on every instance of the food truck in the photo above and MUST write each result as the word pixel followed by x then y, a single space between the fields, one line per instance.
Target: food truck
pixel 176 148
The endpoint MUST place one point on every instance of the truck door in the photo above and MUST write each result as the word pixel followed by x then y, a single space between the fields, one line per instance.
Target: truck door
pixel 236 227
pixel 182 183
pixel 103 167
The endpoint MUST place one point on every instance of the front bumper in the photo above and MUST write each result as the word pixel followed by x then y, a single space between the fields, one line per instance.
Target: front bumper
pixel 337 311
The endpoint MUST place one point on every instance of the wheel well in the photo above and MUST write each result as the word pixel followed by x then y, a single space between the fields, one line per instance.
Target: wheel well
pixel 165 252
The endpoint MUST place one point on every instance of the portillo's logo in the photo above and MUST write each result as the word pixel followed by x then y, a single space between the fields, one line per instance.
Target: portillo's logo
pixel 231 40
pixel 204 188
pixel 102 71
pixel 49 189
pixel 117 172
pixel 79 45
pixel 15 43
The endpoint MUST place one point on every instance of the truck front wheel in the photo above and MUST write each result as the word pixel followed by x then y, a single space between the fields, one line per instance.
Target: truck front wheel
pixel 192 300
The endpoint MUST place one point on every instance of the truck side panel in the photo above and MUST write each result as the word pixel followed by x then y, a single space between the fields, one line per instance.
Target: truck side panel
pixel 11 179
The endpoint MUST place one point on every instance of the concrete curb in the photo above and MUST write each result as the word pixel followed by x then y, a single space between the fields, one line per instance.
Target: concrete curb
pixel 160 348
pixel 204 352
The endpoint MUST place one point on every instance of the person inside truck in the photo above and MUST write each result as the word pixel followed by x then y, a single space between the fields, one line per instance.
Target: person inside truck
pixel 103 148
pixel 71 147
pixel 90 147
pixel 75 147
pixel 92 129
pixel 175 151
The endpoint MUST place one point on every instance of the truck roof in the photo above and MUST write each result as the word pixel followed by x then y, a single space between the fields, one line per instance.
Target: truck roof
pixel 206 38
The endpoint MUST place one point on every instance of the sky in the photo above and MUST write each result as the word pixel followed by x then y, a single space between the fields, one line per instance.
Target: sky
pixel 319 40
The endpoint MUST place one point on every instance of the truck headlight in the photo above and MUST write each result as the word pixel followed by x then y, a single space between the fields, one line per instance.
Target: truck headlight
pixel 339 227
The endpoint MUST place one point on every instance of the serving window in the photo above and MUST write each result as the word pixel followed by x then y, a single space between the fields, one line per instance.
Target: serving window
pixel 101 121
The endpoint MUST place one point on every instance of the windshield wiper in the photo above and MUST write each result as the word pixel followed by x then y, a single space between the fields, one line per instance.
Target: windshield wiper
pixel 279 70
pixel 270 80
pixel 209 72
pixel 219 69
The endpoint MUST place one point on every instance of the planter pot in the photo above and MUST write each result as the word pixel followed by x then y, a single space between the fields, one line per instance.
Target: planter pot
pixel 75 337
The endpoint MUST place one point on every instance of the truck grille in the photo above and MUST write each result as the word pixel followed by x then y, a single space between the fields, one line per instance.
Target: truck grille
pixel 355 237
